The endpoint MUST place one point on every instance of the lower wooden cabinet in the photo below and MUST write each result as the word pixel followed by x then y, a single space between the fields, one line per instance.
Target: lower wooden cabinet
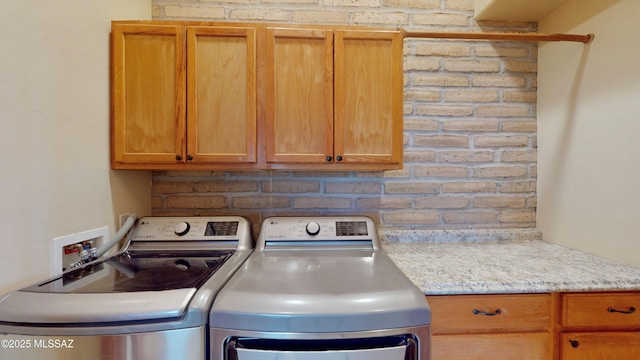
pixel 558 326
pixel 600 345
pixel 600 326
pixel 492 327
pixel 492 346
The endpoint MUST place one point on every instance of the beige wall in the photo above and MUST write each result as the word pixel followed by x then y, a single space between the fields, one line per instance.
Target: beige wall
pixel 54 130
pixel 588 129
pixel 458 105
pixel 470 127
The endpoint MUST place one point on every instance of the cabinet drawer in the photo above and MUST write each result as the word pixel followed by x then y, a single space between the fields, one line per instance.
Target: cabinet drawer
pixel 600 345
pixel 459 314
pixel 601 310
pixel 527 346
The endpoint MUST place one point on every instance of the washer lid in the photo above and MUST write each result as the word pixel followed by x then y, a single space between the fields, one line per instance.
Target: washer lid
pixel 127 287
pixel 54 308
pixel 319 291
pixel 138 271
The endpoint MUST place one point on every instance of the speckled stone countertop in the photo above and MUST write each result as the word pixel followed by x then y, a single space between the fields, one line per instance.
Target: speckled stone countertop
pixel 500 261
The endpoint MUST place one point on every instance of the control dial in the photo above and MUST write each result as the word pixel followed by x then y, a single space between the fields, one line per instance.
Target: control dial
pixel 182 228
pixel 313 228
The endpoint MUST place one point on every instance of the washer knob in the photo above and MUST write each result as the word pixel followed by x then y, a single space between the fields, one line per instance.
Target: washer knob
pixel 182 228
pixel 313 228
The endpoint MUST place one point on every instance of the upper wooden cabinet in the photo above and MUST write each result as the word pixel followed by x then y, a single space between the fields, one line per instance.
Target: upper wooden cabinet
pixel 221 96
pixel 368 96
pixel 221 93
pixel 299 96
pixel 334 98
pixel 149 94
pixel 183 95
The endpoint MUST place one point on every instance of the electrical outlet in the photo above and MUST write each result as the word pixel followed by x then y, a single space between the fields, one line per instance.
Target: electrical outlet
pixel 66 249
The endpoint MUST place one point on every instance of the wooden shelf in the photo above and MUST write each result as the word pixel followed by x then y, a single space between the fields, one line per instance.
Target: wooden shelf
pixel 498 36
pixel 515 10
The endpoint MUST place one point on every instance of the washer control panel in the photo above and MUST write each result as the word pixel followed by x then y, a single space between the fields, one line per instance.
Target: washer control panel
pixel 190 228
pixel 352 228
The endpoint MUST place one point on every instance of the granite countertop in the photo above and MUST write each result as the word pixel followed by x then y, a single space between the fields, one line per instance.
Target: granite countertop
pixel 500 261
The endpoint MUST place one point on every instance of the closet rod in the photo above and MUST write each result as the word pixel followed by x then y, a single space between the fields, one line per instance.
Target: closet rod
pixel 499 36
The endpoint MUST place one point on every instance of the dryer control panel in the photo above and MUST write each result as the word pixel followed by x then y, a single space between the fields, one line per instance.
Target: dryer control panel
pixel 317 230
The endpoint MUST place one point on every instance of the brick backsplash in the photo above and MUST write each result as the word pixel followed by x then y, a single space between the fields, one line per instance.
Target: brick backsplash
pixel 469 127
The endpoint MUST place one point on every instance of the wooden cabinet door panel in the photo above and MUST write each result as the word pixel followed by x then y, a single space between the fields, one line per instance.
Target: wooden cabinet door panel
pixel 512 346
pixel 457 314
pixel 368 96
pixel 600 346
pixel 299 96
pixel 601 310
pixel 149 91
pixel 221 123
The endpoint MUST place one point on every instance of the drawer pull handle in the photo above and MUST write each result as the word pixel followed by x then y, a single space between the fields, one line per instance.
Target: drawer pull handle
pixel 486 313
pixel 630 311
pixel 575 343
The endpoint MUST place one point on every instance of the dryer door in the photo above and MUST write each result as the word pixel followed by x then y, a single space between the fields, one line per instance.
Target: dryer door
pixel 394 353
pixel 386 348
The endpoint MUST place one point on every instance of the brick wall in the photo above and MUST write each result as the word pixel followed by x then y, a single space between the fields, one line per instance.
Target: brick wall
pixel 469 127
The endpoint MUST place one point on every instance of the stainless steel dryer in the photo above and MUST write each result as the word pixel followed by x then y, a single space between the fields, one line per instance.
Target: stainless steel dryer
pixel 149 301
pixel 319 289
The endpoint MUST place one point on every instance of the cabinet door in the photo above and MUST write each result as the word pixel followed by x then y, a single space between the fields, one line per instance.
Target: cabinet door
pixel 511 346
pixel 149 88
pixel 456 314
pixel 368 96
pixel 492 327
pixel 601 310
pixel 299 96
pixel 221 122
pixel 600 345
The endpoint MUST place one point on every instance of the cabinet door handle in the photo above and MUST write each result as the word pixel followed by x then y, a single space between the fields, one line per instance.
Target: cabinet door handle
pixel 189 157
pixel 574 343
pixel 339 157
pixel 328 158
pixel 486 313
pixel 631 310
pixel 178 157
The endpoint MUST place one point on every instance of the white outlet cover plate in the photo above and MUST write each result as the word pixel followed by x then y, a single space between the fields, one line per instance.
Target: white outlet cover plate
pixel 101 233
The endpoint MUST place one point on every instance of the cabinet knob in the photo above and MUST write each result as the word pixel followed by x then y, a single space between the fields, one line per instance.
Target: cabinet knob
pixel 575 343
pixel 339 157
pixel 328 158
pixel 178 157
pixel 189 157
